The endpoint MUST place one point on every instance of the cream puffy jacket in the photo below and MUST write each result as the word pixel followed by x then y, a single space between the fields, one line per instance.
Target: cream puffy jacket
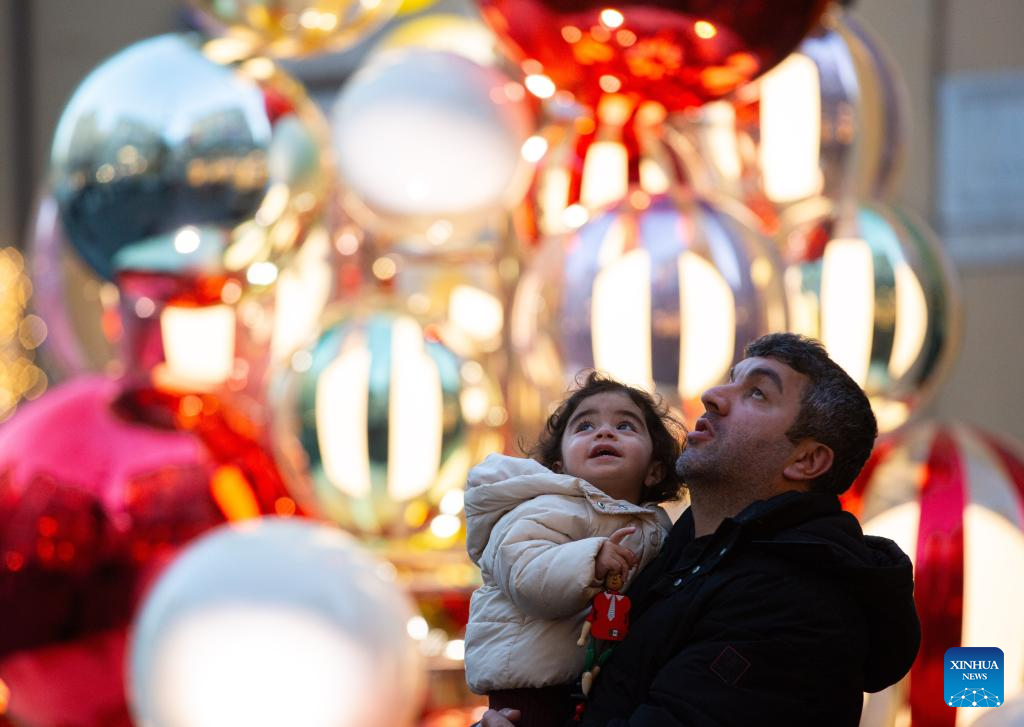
pixel 535 535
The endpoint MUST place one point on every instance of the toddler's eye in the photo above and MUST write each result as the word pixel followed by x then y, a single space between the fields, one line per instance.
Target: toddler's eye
pixel 583 426
pixel 627 425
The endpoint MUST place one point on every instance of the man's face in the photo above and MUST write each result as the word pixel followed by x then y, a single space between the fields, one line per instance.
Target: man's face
pixel 741 438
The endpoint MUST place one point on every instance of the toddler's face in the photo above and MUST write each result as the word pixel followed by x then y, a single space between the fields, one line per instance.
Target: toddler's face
pixel 607 444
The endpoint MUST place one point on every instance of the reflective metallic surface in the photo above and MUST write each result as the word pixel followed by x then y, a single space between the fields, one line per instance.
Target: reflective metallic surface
pixel 949 494
pixel 663 297
pixel 287 28
pixel 78 307
pixel 377 421
pixel 279 622
pixel 593 159
pixel 860 125
pixel 428 145
pixel 465 36
pixel 98 491
pixel 877 282
pixel 681 53
pixel 884 110
pixel 167 162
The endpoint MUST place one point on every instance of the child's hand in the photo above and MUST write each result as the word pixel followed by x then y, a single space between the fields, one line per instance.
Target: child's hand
pixel 613 557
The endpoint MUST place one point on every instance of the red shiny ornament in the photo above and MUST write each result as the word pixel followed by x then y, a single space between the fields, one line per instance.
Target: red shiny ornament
pixel 80 683
pixel 623 150
pixel 98 490
pixel 679 52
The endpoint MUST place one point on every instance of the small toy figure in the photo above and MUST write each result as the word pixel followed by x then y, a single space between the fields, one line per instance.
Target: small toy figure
pixel 607 622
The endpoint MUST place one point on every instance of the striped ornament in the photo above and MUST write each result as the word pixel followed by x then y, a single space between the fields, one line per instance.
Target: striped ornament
pixel 830 120
pixel 952 496
pixel 876 287
pixel 377 421
pixel 663 297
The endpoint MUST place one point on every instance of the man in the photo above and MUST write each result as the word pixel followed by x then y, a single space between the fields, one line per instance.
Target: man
pixel 767 604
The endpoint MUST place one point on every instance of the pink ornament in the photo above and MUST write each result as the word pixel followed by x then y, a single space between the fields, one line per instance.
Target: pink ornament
pixel 98 490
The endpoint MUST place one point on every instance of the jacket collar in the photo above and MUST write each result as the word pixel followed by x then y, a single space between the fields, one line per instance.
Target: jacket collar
pixel 760 520
pixel 784 511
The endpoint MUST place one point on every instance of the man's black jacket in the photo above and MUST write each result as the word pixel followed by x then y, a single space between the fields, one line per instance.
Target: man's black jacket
pixel 783 616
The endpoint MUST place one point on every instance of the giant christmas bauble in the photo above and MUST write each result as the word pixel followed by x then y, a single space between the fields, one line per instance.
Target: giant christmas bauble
pixel 678 52
pixel 428 146
pixel 166 161
pixel 377 423
pixel 276 622
pixel 663 297
pixel 874 284
pixel 952 497
pixel 98 490
pixel 287 28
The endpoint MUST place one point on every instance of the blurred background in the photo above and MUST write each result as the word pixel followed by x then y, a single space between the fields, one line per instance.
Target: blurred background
pixel 274 275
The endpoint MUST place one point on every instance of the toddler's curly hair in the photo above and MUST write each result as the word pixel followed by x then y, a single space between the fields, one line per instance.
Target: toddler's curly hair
pixel 667 433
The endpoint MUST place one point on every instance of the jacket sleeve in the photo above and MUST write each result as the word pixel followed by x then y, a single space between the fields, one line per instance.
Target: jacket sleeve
pixel 541 565
pixel 769 652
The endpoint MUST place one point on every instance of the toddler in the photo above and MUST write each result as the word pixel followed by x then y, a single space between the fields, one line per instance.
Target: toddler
pixel 547 531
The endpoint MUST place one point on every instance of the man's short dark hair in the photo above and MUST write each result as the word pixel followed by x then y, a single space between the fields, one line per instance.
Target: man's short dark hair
pixel 834 410
pixel 665 430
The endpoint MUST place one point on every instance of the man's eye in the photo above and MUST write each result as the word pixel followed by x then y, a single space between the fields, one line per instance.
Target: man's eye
pixel 757 393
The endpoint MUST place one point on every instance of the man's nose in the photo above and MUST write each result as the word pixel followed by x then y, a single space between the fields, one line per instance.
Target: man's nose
pixel 716 399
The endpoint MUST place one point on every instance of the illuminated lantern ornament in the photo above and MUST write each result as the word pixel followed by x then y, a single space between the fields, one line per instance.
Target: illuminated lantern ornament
pixel 97 490
pixel 288 28
pixel 830 120
pixel 876 287
pixel 190 344
pixel 168 163
pixel 680 54
pixel 593 161
pixel 952 497
pixel 78 308
pixel 663 298
pixel 377 423
pixel 428 146
pixel 271 623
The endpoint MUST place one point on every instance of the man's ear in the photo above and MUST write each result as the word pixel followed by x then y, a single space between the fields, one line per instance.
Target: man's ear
pixel 655 473
pixel 809 461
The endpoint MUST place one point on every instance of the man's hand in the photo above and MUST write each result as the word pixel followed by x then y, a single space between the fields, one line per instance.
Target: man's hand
pixel 613 557
pixel 503 718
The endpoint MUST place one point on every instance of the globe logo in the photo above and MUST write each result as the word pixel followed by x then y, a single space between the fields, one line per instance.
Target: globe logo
pixel 973 677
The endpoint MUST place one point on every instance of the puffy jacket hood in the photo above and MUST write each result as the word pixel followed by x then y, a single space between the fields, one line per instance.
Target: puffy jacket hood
pixel 816 531
pixel 501 483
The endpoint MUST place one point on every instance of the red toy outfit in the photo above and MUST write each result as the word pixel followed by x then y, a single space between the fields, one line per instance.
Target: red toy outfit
pixel 609 616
